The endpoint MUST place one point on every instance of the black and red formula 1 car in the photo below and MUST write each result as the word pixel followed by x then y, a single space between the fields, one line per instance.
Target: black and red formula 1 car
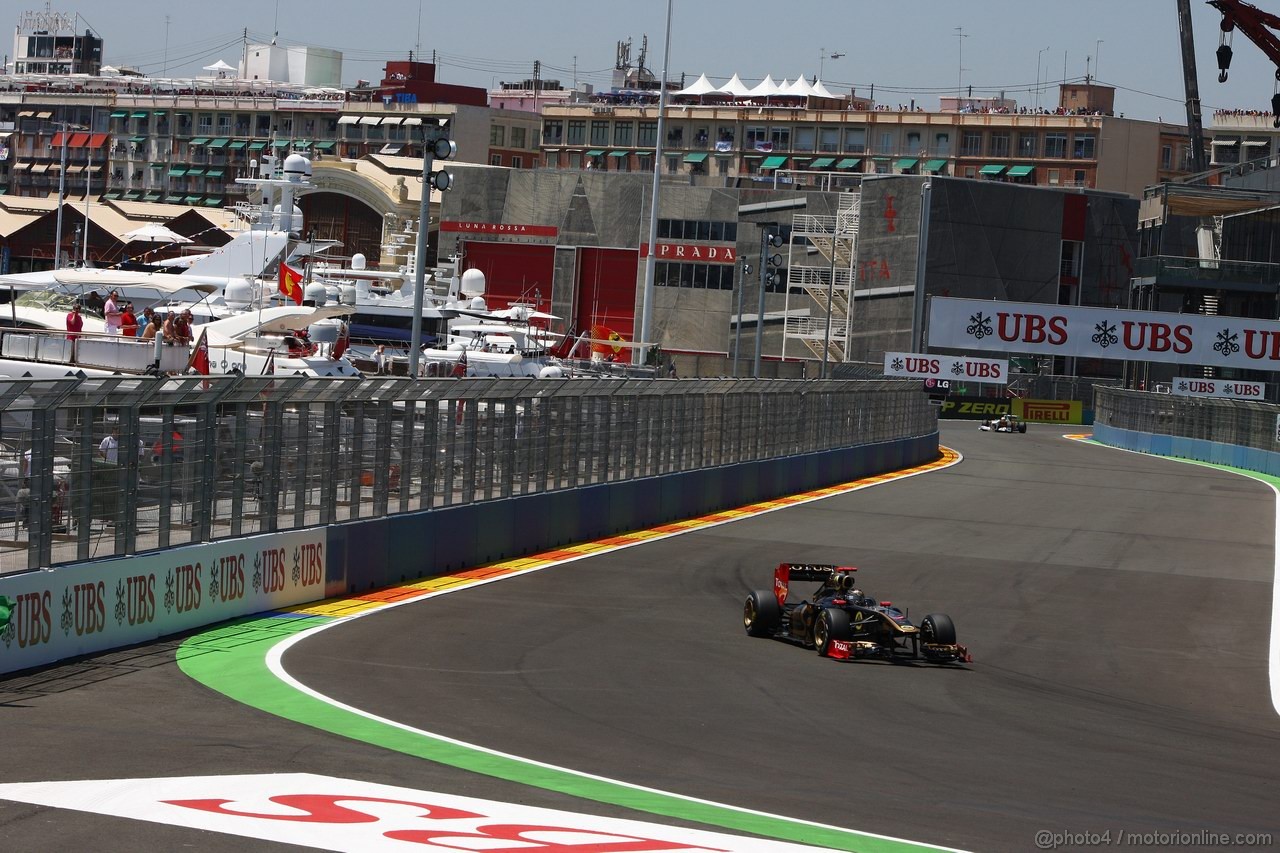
pixel 840 622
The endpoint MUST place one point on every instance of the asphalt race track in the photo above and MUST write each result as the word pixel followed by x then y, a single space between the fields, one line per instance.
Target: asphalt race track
pixel 1118 608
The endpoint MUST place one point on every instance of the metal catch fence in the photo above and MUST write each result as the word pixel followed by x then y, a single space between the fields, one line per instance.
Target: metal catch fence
pixel 1238 422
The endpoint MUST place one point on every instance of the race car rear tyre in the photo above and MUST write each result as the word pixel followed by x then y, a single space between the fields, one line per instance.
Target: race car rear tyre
pixel 832 624
pixel 938 628
pixel 1022 427
pixel 761 614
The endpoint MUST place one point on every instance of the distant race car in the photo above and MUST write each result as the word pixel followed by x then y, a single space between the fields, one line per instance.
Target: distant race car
pixel 1004 423
pixel 841 622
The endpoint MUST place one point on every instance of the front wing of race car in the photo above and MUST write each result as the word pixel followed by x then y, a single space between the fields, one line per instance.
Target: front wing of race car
pixel 932 652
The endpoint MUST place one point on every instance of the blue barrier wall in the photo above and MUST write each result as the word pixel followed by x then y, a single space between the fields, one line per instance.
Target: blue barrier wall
pixel 1249 458
pixel 364 555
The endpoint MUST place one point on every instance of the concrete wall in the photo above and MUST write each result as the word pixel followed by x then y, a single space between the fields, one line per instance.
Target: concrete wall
pixel 1248 458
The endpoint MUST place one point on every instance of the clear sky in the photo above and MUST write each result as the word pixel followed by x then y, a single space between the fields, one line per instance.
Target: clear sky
pixel 907 50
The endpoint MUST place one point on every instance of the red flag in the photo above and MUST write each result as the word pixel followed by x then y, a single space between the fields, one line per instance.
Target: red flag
pixel 290 283
pixel 600 335
pixel 460 369
pixel 564 347
pixel 199 361
pixel 344 341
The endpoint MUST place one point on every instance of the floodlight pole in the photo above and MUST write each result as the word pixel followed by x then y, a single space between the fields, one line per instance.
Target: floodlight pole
pixel 650 261
pixel 420 255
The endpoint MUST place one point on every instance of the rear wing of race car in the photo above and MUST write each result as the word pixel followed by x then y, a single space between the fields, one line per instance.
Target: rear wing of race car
pixel 788 572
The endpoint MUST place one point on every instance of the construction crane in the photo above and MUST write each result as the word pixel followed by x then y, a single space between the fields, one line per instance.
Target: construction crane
pixel 1195 127
pixel 1257 26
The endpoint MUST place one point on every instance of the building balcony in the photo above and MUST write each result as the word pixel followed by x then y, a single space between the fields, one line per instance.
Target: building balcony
pixel 1168 272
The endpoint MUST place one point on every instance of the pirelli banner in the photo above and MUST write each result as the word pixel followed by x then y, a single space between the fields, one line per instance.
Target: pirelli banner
pixel 1026 327
pixel 916 365
pixel 1049 411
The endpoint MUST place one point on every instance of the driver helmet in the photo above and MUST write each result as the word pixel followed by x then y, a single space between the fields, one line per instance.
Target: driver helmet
pixel 856 595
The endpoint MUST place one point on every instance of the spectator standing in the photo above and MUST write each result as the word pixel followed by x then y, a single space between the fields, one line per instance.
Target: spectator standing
pixel 111 312
pixel 153 327
pixel 109 449
pixel 128 321
pixel 75 323
pixel 168 330
pixel 147 314
pixel 182 328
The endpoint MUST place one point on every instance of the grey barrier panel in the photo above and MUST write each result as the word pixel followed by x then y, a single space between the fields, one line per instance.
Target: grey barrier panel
pixel 1237 422
pixel 196 459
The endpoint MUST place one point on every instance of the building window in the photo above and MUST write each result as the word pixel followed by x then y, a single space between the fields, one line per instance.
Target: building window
pixel 647 134
pixel 806 138
pixel 553 133
pixel 673 165
pixel 577 133
pixel 644 162
pixel 675 137
pixel 204 123
pixel 1055 146
pixel 913 142
pixel 696 276
pixel 1084 146
pixel 886 141
pixel 224 124
pixel 599 133
pixel 517 137
pixel 495 159
pixel 1080 177
pixel 1166 157
pixel 942 144
pixel 1054 179
pixel 622 133
pixel 756 137
pixel 971 144
pixel 829 140
pixel 722 166
pixel 781 138
pixel 553 160
pixel 517 162
pixel 701 137
pixel 497 134
pixel 855 140
pixel 999 146
pixel 1027 146
pixel 971 171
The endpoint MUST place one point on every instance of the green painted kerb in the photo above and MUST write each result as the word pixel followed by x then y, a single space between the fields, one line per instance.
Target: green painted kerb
pixel 231 659
pixel 1244 472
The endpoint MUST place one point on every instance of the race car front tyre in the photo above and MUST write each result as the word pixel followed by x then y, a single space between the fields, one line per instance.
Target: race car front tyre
pixel 938 628
pixel 832 624
pixel 761 614
pixel 1022 427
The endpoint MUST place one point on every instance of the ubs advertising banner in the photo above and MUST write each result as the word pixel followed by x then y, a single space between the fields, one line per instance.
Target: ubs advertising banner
pixel 1218 388
pixel 89 607
pixel 925 366
pixel 1025 327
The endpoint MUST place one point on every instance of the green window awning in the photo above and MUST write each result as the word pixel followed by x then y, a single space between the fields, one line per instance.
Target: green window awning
pixel 220 142
pixel 177 172
pixel 775 162
pixel 1020 171
pixel 992 169
pixel 822 163
pixel 151 197
pixel 111 196
pixel 119 114
pixel 906 163
pixel 200 140
pixel 192 199
pixel 237 144
pixel 849 163
pixel 280 143
pixel 595 152
pixel 327 145
pixel 302 144
pixel 141 114
pixel 257 146
pixel 212 202
pixel 935 165
pixel 132 195
pixel 195 172
pixel 173 199
pixel 619 153
pixel 214 173
pixel 160 113
pixel 695 158
pixel 156 165
pixel 752 156
pixel 137 139
pixel 882 159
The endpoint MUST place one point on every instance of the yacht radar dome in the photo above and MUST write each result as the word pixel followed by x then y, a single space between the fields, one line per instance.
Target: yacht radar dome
pixel 358 261
pixel 296 167
pixel 238 294
pixel 473 282
pixel 317 293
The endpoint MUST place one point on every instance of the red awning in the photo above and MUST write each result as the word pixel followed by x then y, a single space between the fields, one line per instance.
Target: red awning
pixel 56 142
pixel 78 140
pixel 97 140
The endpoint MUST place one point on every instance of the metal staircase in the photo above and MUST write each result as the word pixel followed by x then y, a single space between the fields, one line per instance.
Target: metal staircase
pixel 820 281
